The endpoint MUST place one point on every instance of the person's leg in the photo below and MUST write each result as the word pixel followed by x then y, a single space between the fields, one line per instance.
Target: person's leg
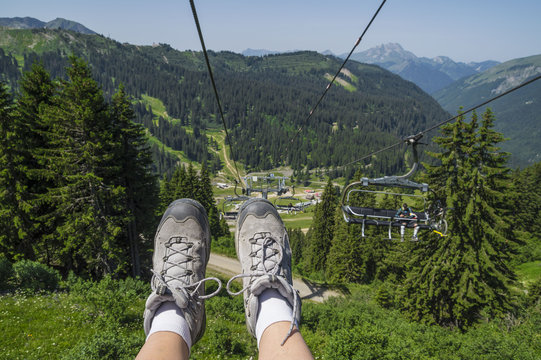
pixel 270 346
pixel 272 306
pixel 415 231
pixel 164 345
pixel 174 317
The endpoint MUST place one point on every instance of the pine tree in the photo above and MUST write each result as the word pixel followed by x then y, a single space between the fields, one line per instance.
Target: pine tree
pixel 205 196
pixel 457 279
pixel 133 160
pixel 164 196
pixel 11 219
pixel 345 261
pixel 322 230
pixel 526 216
pixel 189 184
pixel 85 198
pixel 37 90
pixel 297 240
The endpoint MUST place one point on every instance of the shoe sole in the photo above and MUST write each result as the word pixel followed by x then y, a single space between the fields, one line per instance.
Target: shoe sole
pixel 181 213
pixel 259 211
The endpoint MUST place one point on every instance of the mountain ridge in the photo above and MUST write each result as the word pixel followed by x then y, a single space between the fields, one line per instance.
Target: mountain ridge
pixel 518 115
pixel 33 23
pixel 429 74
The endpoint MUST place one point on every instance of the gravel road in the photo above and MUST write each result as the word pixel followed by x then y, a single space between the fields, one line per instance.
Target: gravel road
pixel 307 290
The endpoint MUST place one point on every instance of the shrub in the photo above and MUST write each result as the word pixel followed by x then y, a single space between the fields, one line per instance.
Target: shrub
pixel 107 344
pixel 34 276
pixel 108 298
pixel 222 340
pixel 385 296
pixel 357 343
pixel 534 293
pixel 6 272
pixel 224 245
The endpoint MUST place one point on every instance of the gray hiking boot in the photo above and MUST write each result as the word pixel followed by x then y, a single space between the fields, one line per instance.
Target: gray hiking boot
pixel 181 253
pixel 262 246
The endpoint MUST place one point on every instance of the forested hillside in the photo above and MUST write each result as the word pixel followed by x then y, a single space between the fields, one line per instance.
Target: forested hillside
pixel 519 114
pixel 266 99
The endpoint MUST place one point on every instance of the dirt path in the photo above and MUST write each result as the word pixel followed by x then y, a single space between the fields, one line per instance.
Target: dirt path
pixel 307 290
pixel 228 164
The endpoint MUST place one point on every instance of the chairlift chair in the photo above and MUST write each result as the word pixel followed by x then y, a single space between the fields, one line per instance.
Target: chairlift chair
pixel 429 218
pixel 238 200
pixel 231 205
pixel 280 206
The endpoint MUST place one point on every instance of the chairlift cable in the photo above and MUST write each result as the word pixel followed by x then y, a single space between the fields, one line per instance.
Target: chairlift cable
pixel 462 113
pixel 335 76
pixel 216 95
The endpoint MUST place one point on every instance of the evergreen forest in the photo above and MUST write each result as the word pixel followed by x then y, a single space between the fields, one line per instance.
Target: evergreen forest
pixel 371 107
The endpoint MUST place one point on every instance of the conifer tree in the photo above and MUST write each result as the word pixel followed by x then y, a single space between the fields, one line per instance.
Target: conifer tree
pixel 345 258
pixel 37 90
pixel 205 196
pixel 165 186
pixel 322 232
pixel 297 240
pixel 189 184
pixel 177 190
pixel 133 160
pixel 10 214
pixel 85 198
pixel 526 216
pixel 457 279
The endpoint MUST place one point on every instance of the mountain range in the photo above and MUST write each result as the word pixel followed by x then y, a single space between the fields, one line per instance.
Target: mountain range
pixel 430 75
pixel 32 23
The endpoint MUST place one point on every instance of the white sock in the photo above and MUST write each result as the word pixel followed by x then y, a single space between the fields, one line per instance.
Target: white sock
pixel 169 317
pixel 273 308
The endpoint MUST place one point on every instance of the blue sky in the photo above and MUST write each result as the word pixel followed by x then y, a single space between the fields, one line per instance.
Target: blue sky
pixel 473 30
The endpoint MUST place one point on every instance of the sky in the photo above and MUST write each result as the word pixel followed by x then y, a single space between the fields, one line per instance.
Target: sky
pixel 473 30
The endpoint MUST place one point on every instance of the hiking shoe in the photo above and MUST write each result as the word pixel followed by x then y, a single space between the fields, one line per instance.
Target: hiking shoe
pixel 262 246
pixel 181 253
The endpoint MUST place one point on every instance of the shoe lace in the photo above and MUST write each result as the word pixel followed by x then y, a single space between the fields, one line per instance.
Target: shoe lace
pixel 266 260
pixel 177 255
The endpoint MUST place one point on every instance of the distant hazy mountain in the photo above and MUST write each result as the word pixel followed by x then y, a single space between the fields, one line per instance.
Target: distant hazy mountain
pixel 21 23
pixel 518 115
pixel 64 24
pixel 32 23
pixel 258 52
pixel 430 75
